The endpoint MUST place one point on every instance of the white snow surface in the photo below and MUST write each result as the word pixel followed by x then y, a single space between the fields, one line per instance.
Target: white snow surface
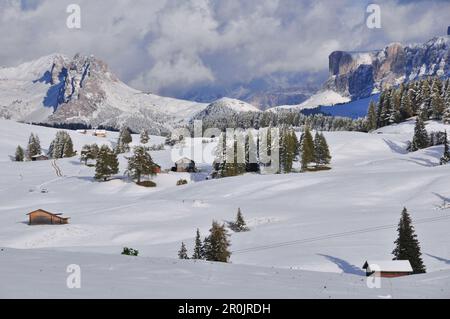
pixel 308 231
pixel 324 98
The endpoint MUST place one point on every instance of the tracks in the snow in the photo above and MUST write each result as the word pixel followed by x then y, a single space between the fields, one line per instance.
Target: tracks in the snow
pixel 56 168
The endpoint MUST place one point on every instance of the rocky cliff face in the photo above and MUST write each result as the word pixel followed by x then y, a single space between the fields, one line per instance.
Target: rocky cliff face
pixel 358 74
pixel 82 89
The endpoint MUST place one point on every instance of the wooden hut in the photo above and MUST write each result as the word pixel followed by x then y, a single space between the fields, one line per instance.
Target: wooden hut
pixel 388 268
pixel 184 165
pixel 43 217
pixel 39 157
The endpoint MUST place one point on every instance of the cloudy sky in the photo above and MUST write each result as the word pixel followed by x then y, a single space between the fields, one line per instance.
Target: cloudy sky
pixel 169 46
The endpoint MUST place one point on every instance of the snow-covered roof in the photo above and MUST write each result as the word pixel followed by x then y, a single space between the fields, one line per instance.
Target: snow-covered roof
pixel 388 266
pixel 184 160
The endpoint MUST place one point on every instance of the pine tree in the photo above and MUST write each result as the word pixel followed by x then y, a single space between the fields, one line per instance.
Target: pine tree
pixel 239 225
pixel 372 117
pixel 89 152
pixel 307 148
pixel 420 139
pixel 182 253
pixel 199 252
pixel 217 244
pixel 107 164
pixel 321 151
pixel 68 147
pixel 34 146
pixel 19 156
pixel 407 246
pixel 446 155
pixel 144 137
pixel 123 141
pixel 437 103
pixel 61 146
pixel 446 114
pixel 141 163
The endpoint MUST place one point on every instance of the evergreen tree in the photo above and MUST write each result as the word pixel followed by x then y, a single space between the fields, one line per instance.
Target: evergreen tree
pixel 123 141
pixel 425 98
pixel 288 149
pixel 321 151
pixel 446 155
pixel 19 156
pixel 144 137
pixel 141 163
pixel 406 104
pixel 437 103
pixel 68 147
pixel 217 244
pixel 34 146
pixel 407 246
pixel 199 252
pixel 107 164
pixel 61 146
pixel 182 253
pixel 89 152
pixel 239 225
pixel 372 117
pixel 307 148
pixel 420 138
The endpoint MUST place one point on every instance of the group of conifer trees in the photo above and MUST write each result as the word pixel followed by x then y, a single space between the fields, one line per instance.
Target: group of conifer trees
pixel 215 247
pixel 249 151
pixel 60 147
pixel 427 98
pixel 140 163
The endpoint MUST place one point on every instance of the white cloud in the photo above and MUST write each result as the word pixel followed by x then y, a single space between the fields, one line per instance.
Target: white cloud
pixel 172 45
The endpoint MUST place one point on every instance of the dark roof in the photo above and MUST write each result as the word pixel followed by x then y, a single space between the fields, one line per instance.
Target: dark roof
pixel 43 210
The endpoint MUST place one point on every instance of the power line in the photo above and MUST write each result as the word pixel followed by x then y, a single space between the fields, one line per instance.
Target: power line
pixel 335 235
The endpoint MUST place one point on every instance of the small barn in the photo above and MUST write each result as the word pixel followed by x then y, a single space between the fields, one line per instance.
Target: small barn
pixel 43 217
pixel 184 165
pixel 99 133
pixel 388 268
pixel 39 157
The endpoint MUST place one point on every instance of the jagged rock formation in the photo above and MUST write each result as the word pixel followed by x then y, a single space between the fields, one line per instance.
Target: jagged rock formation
pixel 359 74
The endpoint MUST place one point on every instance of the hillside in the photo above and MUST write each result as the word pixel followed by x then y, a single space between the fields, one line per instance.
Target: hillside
pixel 292 226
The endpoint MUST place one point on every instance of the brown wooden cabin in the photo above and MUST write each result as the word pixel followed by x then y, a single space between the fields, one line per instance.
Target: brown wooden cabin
pixel 43 217
pixel 388 268
pixel 40 157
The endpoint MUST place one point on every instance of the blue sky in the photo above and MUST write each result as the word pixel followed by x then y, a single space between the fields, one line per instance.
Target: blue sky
pixel 170 46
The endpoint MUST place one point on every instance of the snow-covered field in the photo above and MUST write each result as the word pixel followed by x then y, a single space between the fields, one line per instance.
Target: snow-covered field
pixel 310 233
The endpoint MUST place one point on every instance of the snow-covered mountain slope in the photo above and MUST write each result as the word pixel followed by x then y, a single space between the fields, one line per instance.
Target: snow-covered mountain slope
pixel 359 74
pixel 330 221
pixel 324 98
pixel 57 89
pixel 42 274
pixel 224 107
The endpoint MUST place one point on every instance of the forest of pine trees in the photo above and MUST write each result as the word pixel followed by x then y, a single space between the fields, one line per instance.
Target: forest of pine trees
pixel 250 151
pixel 427 98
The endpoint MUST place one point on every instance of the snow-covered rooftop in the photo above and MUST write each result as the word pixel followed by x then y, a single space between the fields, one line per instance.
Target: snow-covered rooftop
pixel 388 266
